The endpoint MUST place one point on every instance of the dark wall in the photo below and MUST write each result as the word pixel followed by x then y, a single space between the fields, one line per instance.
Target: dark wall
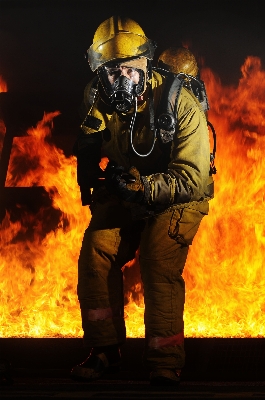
pixel 42 42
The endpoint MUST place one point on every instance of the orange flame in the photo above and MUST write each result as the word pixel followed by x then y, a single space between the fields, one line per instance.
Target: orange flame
pixel 3 85
pixel 38 275
pixel 224 274
pixel 3 88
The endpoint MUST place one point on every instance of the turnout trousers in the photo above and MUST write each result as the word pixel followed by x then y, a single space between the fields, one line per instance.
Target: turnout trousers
pixel 110 241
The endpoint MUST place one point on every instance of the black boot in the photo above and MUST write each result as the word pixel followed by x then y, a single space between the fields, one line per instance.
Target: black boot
pixel 101 360
pixel 165 377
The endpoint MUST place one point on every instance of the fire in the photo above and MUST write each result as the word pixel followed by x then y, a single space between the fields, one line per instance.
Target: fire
pixel 3 85
pixel 38 285
pixel 3 88
pixel 224 274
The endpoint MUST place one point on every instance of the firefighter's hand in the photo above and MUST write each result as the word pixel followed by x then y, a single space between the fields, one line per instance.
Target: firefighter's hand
pixel 128 186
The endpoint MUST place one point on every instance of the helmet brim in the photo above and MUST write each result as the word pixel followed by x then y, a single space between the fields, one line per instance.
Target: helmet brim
pixel 123 45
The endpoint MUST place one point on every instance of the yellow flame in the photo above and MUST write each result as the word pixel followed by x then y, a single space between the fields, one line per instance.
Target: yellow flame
pixel 224 274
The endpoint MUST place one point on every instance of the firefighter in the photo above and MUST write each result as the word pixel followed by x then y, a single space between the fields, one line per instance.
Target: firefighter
pixel 152 196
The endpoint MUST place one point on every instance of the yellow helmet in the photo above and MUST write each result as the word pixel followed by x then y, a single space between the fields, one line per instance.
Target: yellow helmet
pixel 178 59
pixel 119 38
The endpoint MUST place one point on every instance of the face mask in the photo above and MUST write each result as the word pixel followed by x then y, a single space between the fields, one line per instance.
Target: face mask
pixel 123 82
pixel 123 94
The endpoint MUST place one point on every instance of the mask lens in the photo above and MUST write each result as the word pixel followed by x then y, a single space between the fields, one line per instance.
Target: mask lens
pixel 122 83
pixel 131 72
pixel 115 72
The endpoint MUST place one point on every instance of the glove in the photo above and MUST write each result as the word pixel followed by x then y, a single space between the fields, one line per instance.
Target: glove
pixel 128 186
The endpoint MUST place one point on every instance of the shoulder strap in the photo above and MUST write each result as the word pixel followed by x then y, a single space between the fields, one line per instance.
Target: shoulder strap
pixel 166 117
pixel 90 96
pixel 91 92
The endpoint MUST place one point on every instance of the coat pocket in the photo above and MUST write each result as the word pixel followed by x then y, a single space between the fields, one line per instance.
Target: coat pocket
pixel 184 225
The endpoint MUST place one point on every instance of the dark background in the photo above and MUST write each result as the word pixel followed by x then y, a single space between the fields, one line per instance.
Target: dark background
pixel 42 43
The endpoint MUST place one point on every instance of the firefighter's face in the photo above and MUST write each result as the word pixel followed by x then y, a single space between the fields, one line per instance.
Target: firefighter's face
pixel 130 73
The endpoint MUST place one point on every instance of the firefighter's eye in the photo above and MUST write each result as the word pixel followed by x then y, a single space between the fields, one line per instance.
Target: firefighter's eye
pixel 113 71
pixel 130 71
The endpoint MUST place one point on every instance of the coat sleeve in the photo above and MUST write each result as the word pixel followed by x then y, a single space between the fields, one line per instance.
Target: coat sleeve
pixel 187 176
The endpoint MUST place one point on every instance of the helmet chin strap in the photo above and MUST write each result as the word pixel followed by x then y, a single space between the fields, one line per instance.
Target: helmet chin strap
pixel 152 122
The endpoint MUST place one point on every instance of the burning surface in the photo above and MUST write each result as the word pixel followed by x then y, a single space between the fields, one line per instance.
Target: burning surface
pixel 38 285
pixel 224 274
